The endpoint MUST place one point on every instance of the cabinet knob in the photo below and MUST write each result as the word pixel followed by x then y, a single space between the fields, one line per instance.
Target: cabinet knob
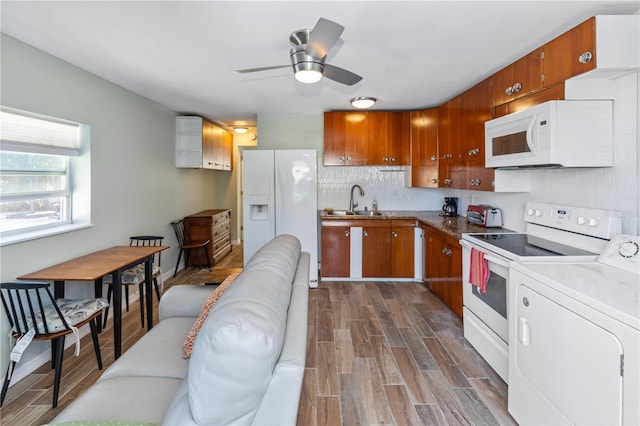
pixel 434 181
pixel 365 233
pixel 509 91
pixel 347 233
pixel 447 251
pixel 434 158
pixel 474 151
pixel 393 159
pixel 516 87
pixel 394 234
pixel 585 58
pixel 448 181
pixel 342 159
pixel 348 159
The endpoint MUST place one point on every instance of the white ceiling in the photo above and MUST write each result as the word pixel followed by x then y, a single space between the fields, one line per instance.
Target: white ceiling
pixel 182 54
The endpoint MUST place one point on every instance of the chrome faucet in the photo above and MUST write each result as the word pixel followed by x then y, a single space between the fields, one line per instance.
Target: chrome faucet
pixel 354 204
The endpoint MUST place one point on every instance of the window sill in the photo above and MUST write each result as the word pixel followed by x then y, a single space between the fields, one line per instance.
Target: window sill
pixel 42 233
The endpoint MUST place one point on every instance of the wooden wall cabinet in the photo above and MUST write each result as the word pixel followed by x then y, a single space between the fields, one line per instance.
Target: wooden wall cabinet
pixel 388 138
pixel 443 268
pixel 200 144
pixel 212 225
pixel 345 138
pixel 374 138
pixel 518 79
pixel 335 242
pixel 424 148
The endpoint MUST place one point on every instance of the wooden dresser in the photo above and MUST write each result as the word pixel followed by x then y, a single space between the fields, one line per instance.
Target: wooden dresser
pixel 212 225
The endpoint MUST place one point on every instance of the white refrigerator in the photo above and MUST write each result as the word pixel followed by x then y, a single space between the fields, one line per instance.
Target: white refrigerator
pixel 280 197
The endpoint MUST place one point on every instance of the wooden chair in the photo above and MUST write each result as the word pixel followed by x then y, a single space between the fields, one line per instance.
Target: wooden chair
pixel 136 276
pixel 187 244
pixel 33 313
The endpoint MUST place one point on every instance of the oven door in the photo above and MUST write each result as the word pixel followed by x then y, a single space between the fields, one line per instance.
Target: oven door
pixel 489 307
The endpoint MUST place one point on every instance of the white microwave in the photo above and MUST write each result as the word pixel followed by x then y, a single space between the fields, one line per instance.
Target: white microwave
pixel 552 134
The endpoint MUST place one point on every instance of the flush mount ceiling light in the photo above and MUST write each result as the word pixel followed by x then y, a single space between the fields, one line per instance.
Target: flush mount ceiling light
pixel 240 130
pixel 308 71
pixel 363 102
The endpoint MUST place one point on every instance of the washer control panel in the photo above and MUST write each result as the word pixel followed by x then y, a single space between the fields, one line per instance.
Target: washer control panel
pixel 623 251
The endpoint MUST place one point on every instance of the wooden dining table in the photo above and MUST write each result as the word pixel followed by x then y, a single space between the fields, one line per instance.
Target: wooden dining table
pixel 93 267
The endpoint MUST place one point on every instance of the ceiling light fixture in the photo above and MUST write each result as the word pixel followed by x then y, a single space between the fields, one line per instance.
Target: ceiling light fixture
pixel 240 130
pixel 363 102
pixel 306 69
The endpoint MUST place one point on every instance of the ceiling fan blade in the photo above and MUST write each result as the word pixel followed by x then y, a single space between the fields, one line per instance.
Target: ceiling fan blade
pixel 322 38
pixel 275 67
pixel 341 75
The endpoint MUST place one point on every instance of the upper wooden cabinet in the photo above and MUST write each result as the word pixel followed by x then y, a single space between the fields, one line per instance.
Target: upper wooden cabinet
pixel 388 134
pixel 518 79
pixel 200 144
pixel 345 138
pixel 373 138
pixel 424 148
pixel 571 53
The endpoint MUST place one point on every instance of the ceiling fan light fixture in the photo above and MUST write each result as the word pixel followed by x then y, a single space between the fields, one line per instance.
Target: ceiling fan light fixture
pixel 363 102
pixel 308 71
pixel 240 130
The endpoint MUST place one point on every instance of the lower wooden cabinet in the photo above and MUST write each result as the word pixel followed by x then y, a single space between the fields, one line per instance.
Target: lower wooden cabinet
pixel 212 225
pixel 443 268
pixel 335 244
pixel 386 250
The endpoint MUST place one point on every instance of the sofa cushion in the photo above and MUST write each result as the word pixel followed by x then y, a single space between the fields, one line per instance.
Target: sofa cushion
pixel 204 312
pixel 133 399
pixel 239 344
pixel 158 353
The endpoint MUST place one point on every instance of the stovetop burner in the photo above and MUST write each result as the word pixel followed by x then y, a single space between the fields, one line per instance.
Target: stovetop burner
pixel 528 245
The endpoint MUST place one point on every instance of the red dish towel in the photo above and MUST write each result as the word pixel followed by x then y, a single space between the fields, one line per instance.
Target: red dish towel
pixel 479 270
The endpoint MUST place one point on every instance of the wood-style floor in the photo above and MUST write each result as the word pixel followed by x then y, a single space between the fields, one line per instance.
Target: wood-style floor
pixel 378 353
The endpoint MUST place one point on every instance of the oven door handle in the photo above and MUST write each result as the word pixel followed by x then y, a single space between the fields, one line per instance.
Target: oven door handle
pixel 496 260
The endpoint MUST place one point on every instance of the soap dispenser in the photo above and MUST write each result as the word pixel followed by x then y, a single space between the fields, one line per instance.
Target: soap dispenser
pixel 374 205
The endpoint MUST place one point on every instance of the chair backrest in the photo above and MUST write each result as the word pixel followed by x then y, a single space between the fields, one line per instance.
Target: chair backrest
pixel 181 232
pixel 30 305
pixel 148 240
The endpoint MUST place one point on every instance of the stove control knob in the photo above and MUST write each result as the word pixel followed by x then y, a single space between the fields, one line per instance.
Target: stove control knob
pixel 593 222
pixel 581 220
pixel 530 212
pixel 538 213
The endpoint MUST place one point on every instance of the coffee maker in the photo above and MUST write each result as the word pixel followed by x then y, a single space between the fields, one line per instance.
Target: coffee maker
pixel 450 207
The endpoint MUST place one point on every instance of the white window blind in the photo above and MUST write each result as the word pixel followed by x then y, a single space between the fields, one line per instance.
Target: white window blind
pixel 26 132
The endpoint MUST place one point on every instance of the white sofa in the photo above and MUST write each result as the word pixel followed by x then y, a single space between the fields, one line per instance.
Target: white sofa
pixel 247 362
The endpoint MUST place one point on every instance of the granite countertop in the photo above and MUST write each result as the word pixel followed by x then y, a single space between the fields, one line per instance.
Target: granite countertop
pixel 452 226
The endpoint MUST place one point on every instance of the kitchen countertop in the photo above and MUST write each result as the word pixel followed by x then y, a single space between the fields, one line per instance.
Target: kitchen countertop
pixel 452 226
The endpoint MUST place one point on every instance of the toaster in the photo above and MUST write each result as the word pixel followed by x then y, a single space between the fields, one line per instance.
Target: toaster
pixel 484 215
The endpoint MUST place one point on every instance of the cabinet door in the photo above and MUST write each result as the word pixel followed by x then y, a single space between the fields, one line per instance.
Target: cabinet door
pixel 388 138
pixel 518 79
pixel 562 55
pixel 448 143
pixel 475 176
pixel 424 148
pixel 402 250
pixel 208 144
pixel 475 110
pixel 345 138
pixel 376 247
pixel 335 251
pixel 443 266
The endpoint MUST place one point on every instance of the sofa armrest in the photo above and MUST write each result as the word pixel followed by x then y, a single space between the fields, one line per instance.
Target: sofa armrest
pixel 184 300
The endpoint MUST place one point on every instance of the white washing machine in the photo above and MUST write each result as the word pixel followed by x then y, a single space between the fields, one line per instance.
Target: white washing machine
pixel 574 333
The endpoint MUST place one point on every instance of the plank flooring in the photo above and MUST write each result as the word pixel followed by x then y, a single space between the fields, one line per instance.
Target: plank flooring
pixel 377 354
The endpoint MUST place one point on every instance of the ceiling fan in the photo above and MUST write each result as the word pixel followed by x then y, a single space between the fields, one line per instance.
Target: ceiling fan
pixel 309 52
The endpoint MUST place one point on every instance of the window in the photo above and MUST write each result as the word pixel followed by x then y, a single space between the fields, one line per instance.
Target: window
pixel 43 161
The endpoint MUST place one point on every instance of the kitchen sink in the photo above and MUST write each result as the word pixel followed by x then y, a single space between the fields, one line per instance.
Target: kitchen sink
pixel 340 213
pixel 367 213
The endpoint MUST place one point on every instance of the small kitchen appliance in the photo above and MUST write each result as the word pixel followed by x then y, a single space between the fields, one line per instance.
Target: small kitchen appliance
pixel 484 215
pixel 554 234
pixel 450 208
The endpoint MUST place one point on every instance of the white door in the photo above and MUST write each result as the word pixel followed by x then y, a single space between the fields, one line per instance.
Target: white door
pixel 563 367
